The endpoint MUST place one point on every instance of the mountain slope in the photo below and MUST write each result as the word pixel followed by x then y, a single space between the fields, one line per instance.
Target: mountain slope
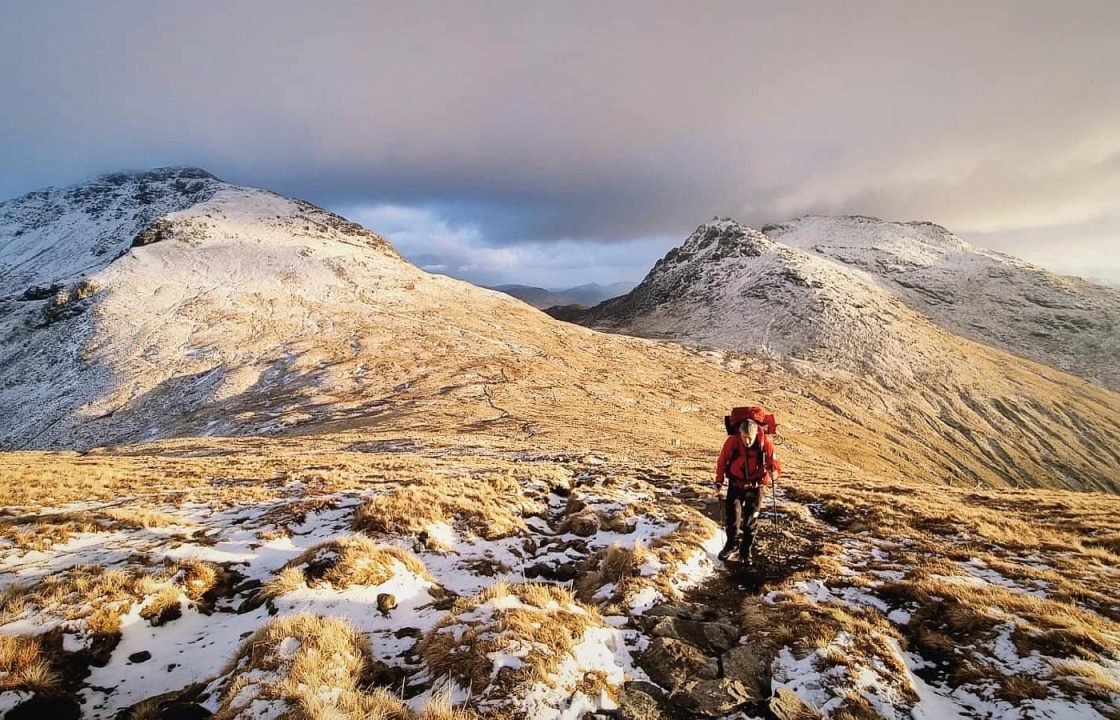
pixel 989 297
pixel 732 287
pixel 257 314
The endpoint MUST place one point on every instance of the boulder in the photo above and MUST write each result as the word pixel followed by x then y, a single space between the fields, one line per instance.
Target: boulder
pixel 671 663
pixel 713 638
pixel 183 711
pixel 751 666
pixel 711 698
pixel 46 706
pixel 643 701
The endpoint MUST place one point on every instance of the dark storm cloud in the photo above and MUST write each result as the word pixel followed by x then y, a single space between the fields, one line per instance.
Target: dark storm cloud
pixel 581 123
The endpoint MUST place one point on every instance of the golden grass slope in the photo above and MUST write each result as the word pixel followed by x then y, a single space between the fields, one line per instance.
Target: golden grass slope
pixel 973 569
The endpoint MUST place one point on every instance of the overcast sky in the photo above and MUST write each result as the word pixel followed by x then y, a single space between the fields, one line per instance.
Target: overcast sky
pixel 557 143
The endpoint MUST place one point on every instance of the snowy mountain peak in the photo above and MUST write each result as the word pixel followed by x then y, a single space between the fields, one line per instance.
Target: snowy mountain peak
pixel 160 291
pixel 727 233
pixel 729 286
pixel 912 244
pixel 51 238
pixel 715 240
pixel 989 297
pixel 160 174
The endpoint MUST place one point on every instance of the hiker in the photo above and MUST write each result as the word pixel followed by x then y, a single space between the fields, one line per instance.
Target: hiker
pixel 747 459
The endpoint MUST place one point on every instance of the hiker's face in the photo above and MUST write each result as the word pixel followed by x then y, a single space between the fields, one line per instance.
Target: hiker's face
pixel 749 435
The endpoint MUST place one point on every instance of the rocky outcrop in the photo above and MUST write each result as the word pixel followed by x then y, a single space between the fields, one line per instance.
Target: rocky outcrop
pixel 697 659
pixel 672 663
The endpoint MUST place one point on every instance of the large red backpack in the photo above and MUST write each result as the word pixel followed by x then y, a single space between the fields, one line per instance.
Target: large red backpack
pixel 766 420
pixel 752 412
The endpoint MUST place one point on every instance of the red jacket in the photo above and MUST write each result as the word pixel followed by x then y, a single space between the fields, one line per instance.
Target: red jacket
pixel 745 466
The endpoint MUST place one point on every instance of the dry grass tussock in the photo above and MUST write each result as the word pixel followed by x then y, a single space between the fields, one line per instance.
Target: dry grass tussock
pixel 539 623
pixel 847 640
pixel 23 665
pixel 138 519
pixel 354 560
pixel 314 668
pixel 617 565
pixel 685 543
pixel 98 596
pixel 997 529
pixel 490 505
pixel 951 616
pixel 1032 568
pixel 1087 677
pixel 41 531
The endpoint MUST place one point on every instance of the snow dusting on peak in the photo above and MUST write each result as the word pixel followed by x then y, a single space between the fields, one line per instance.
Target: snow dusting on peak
pixel 165 290
pixel 731 286
pixel 52 236
pixel 996 299
pixel 910 244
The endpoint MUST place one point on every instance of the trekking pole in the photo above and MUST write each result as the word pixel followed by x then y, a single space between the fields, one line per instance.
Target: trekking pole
pixel 722 517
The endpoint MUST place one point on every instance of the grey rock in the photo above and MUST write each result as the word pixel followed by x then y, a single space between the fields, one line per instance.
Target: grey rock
pixel 750 666
pixel 711 637
pixel 642 701
pixel 685 610
pixel 671 663
pixel 711 698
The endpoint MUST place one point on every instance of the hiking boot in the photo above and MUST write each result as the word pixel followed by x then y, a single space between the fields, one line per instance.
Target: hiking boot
pixel 727 550
pixel 747 554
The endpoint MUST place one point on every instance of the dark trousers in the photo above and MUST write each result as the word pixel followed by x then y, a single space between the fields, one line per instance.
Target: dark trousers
pixel 741 510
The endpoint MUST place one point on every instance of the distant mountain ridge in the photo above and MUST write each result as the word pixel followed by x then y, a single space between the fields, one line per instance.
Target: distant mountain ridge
pixel 997 299
pixel 586 295
pixel 818 279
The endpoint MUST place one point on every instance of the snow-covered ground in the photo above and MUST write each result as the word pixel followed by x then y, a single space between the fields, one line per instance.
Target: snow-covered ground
pixel 156 656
